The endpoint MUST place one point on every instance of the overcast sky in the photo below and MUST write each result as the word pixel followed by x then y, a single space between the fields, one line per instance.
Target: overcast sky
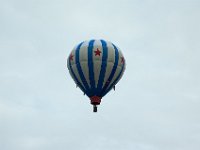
pixel 156 105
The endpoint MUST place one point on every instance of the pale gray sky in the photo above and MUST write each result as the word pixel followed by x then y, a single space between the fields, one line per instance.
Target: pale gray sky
pixel 156 105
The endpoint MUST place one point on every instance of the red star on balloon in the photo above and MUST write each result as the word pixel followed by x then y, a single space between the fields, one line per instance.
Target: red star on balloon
pixel 97 52
pixel 122 60
pixel 71 57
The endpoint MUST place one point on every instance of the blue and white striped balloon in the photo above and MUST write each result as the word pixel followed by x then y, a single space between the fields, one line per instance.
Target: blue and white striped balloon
pixel 96 66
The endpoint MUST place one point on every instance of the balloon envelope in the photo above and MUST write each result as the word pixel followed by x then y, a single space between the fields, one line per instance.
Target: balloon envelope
pixel 96 66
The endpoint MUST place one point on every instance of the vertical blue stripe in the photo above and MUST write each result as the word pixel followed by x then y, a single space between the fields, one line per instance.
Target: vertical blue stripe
pixel 113 69
pixel 75 78
pixel 91 66
pixel 80 69
pixel 116 80
pixel 103 68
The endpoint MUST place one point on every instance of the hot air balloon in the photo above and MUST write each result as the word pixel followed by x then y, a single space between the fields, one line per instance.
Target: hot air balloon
pixel 96 66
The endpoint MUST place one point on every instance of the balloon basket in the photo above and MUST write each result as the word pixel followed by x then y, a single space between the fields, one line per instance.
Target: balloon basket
pixel 95 100
pixel 94 108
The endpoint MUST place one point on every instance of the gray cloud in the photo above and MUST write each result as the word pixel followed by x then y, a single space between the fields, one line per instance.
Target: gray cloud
pixel 156 104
